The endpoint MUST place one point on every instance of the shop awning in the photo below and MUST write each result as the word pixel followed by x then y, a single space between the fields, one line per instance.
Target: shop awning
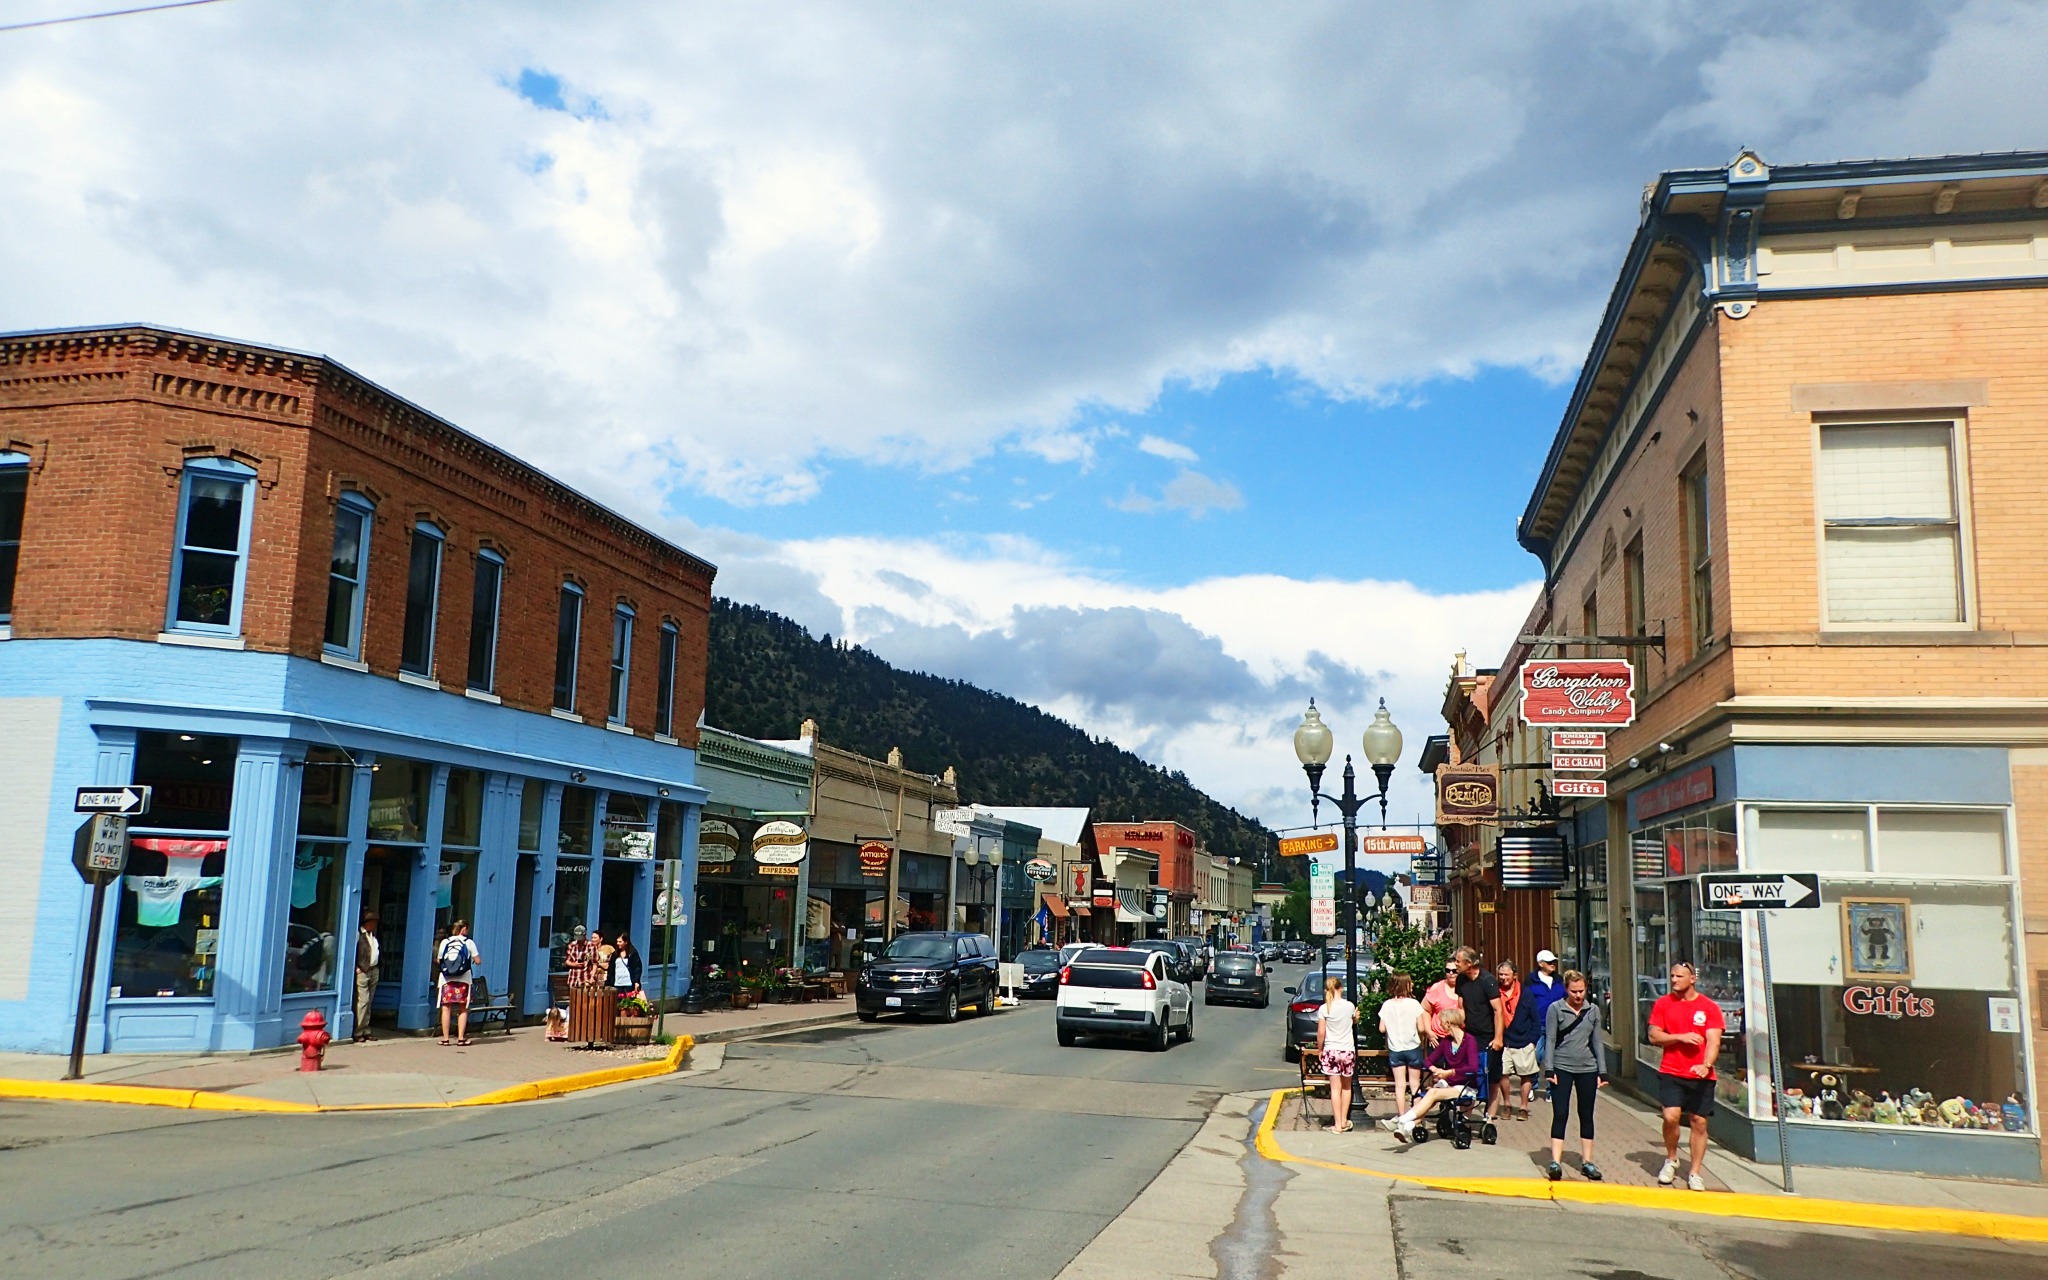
pixel 1124 915
pixel 1054 904
pixel 1079 911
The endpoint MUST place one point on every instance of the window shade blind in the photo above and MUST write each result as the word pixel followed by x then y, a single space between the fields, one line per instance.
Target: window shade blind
pixel 1887 499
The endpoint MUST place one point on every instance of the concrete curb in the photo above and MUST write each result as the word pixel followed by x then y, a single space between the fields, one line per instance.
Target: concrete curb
pixel 736 1034
pixel 203 1100
pixel 1826 1213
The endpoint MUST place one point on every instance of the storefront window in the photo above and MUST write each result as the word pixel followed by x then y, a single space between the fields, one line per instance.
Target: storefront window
pixel 398 799
pixel 579 813
pixel 454 891
pixel 167 926
pixel 628 832
pixel 1898 1000
pixel 324 790
pixel 572 907
pixel 532 796
pixel 310 951
pixel 668 848
pixel 1598 963
pixel 387 890
pixel 462 814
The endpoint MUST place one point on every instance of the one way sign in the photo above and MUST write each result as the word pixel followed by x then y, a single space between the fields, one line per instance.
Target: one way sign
pixel 1755 891
pixel 130 801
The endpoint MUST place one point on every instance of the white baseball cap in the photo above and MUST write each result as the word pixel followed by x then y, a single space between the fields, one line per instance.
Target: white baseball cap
pixel 1546 956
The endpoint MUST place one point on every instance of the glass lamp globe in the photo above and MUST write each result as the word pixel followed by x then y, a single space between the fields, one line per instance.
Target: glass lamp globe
pixel 1382 739
pixel 995 856
pixel 1312 740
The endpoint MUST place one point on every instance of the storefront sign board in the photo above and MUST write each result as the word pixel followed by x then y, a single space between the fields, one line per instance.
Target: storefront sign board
pixel 1681 792
pixel 780 844
pixel 1427 867
pixel 1580 762
pixel 1425 897
pixel 1306 846
pixel 1410 845
pixel 954 822
pixel 1039 871
pixel 775 870
pixel 717 842
pixel 874 859
pixel 1579 693
pixel 1578 740
pixel 1590 788
pixel 1467 794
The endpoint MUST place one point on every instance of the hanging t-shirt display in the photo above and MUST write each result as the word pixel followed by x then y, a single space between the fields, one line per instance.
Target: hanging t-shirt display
pixel 306 869
pixel 444 887
pixel 160 900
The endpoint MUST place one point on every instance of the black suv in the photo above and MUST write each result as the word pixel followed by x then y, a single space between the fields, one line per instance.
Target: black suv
pixel 929 973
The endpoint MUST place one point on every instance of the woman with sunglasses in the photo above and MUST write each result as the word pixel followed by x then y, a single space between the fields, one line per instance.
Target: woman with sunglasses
pixel 1440 999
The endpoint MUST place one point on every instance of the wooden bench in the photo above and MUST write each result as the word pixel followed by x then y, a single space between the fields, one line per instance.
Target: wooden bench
pixel 483 1011
pixel 1365 1089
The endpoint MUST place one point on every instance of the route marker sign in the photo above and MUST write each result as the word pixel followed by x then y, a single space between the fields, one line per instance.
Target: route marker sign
pixel 1760 891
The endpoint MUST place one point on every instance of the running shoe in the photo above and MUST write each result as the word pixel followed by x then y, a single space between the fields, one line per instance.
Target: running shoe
pixel 1696 1182
pixel 1555 1170
pixel 1666 1174
pixel 1592 1171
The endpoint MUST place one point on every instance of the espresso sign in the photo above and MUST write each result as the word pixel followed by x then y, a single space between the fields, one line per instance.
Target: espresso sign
pixel 780 844
pixel 1574 692
pixel 1467 793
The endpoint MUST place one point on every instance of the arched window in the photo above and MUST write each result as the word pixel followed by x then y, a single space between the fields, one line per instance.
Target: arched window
pixel 210 566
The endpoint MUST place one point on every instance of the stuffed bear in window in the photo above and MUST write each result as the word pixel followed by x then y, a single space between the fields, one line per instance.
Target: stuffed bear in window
pixel 1829 1095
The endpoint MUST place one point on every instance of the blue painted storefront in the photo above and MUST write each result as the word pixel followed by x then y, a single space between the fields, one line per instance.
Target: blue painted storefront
pixel 279 708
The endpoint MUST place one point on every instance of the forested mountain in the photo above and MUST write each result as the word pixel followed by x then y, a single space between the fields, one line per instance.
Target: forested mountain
pixel 768 675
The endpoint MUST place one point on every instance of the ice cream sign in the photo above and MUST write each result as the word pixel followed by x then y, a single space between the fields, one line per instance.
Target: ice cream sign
pixel 1579 692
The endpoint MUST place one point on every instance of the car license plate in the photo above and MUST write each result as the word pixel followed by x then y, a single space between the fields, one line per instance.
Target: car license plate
pixel 1234 981
pixel 892 1002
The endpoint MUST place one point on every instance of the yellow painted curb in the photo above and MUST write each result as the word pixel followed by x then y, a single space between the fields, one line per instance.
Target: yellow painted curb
pixel 1826 1213
pixel 202 1100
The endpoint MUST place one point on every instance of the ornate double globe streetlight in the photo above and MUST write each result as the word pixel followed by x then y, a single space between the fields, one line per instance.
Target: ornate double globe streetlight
pixel 1382 747
pixel 993 856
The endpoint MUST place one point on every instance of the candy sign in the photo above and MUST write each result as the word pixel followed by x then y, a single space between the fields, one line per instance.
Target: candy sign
pixel 1571 692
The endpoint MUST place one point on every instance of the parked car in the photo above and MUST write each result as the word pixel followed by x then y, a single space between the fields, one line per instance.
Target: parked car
pixel 933 972
pixel 1299 953
pixel 1303 1001
pixel 1072 949
pixel 1179 966
pixel 1127 992
pixel 1238 977
pixel 1041 974
pixel 1199 954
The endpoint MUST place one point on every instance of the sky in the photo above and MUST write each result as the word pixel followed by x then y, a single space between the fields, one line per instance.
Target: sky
pixel 1161 365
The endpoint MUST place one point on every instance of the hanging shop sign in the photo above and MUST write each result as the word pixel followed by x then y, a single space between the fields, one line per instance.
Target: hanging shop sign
pixel 1531 861
pixel 953 822
pixel 1425 897
pixel 1039 871
pixel 1578 740
pixel 874 858
pixel 1579 761
pixel 1159 904
pixel 1681 792
pixel 1427 867
pixel 1467 793
pixel 635 844
pixel 1410 845
pixel 1308 846
pixel 1079 878
pixel 717 842
pixel 1584 788
pixel 1575 692
pixel 780 844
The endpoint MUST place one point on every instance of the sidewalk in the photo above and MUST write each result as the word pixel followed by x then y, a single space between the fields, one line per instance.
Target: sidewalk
pixel 1629 1149
pixel 396 1070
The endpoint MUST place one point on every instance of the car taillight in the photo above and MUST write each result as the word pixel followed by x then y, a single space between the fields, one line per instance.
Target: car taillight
pixel 1150 983
pixel 1066 975
pixel 1303 1006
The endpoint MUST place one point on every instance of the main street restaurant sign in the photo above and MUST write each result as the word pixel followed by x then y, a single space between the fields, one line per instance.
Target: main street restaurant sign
pixel 1467 793
pixel 1579 692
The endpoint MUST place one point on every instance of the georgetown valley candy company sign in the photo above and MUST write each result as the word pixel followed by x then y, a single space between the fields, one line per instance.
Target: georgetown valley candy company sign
pixel 1574 692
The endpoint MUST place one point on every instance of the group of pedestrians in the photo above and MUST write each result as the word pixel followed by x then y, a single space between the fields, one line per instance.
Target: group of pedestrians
pixel 1477 1027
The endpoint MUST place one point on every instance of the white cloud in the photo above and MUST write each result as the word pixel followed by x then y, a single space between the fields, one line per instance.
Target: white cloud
pixel 1171 450
pixel 1209 678
pixel 1190 491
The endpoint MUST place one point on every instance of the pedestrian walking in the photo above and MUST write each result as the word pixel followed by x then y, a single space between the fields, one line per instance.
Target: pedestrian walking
pixel 1688 1027
pixel 1546 989
pixel 1401 1023
pixel 455 961
pixel 1578 1067
pixel 625 966
pixel 1485 1019
pixel 1518 1042
pixel 1440 999
pixel 1337 1043
pixel 1452 1068
pixel 369 967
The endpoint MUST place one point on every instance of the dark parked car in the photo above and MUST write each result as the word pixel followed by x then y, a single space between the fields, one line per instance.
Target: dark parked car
pixel 1302 1003
pixel 1178 963
pixel 1041 974
pixel 1239 977
pixel 929 973
pixel 1199 952
pixel 1299 953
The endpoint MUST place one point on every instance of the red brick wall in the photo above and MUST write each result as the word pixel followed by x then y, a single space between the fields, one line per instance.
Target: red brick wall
pixel 107 419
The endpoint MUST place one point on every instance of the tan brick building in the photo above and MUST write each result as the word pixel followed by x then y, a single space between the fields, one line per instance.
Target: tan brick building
pixel 371 666
pixel 1804 457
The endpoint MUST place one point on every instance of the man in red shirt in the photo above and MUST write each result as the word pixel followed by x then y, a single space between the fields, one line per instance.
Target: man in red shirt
pixel 1687 1026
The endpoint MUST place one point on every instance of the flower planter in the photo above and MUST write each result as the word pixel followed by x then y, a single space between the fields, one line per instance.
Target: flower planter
pixel 632 1030
pixel 745 998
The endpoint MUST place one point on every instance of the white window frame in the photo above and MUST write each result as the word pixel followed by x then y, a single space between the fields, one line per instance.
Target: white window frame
pixel 620 669
pixel 488 556
pixel 212 469
pixel 1959 490
pixel 14 462
pixel 575 648
pixel 668 644
pixel 424 529
pixel 366 511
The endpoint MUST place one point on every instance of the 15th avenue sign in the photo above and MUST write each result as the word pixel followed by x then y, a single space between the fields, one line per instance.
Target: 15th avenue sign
pixel 1576 693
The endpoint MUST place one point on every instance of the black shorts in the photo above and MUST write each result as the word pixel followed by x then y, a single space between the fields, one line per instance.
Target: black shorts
pixel 1493 1057
pixel 1691 1097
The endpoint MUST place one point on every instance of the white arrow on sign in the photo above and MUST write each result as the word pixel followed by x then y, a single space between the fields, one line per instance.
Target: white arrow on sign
pixel 112 799
pixel 1760 891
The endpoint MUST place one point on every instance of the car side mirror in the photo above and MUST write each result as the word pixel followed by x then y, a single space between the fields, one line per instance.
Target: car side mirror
pixel 1287 991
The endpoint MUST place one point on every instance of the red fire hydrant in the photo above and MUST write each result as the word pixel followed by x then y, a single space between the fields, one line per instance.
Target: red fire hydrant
pixel 313 1040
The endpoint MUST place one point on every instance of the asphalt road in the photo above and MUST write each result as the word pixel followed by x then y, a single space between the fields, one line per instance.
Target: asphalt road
pixel 898 1149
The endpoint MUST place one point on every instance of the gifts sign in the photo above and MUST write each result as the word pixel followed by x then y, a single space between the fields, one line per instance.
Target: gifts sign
pixel 1572 692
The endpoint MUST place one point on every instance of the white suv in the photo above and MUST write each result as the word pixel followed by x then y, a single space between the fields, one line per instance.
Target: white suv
pixel 1122 991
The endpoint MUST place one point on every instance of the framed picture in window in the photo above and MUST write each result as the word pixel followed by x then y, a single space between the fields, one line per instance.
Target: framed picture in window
pixel 1877 939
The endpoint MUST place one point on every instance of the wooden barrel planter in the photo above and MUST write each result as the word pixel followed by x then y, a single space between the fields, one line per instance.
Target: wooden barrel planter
pixel 627 1029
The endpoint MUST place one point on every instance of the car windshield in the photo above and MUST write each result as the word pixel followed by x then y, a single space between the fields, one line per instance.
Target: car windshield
pixel 1040 961
pixel 919 948
pixel 1235 963
pixel 1104 955
pixel 1312 986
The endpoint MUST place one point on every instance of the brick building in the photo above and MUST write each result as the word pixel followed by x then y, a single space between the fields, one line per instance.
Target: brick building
pixel 1175 850
pixel 369 663
pixel 1800 474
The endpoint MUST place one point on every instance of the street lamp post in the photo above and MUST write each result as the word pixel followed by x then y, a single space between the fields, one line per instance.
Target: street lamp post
pixel 1382 747
pixel 973 858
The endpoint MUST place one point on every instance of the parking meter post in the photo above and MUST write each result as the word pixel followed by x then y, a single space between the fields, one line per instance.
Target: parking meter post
pixel 85 978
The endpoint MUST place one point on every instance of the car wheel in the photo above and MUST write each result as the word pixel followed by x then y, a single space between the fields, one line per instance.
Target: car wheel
pixel 1290 1053
pixel 1207 1000
pixel 1067 1038
pixel 953 1006
pixel 1187 1033
pixel 865 1015
pixel 1161 1037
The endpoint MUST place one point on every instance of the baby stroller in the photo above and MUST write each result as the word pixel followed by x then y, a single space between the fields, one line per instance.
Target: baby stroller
pixel 1455 1116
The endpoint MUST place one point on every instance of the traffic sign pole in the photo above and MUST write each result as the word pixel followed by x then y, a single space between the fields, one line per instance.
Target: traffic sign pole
pixel 92 951
pixel 1763 947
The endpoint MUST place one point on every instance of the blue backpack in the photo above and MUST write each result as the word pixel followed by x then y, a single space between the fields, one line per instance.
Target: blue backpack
pixel 454 958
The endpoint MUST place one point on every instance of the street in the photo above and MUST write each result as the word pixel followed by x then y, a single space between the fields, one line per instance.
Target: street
pixel 898 1149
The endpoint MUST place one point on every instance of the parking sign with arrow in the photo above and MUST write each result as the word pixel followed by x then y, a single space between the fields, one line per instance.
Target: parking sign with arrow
pixel 1754 891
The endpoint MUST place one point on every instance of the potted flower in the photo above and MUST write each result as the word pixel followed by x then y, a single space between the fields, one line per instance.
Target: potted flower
pixel 785 985
pixel 746 993
pixel 635 1023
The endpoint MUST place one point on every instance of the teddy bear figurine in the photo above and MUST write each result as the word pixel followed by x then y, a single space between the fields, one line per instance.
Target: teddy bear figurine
pixel 1830 1097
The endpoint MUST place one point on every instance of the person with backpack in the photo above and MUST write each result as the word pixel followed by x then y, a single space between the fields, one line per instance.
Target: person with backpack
pixel 455 960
